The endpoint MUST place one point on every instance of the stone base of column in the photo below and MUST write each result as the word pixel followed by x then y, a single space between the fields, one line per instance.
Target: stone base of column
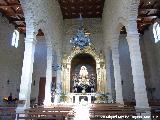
pixel 120 101
pixel 110 99
pixel 57 99
pixel 20 110
pixel 143 113
pixel 47 103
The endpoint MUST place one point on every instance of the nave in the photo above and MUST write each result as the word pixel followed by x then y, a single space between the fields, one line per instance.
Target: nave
pixel 72 49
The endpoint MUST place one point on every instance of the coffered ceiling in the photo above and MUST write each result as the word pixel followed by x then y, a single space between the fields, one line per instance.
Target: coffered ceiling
pixel 148 11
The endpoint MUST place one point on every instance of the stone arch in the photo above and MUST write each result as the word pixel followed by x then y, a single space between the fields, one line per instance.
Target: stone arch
pixel 124 61
pixel 121 22
pixel 41 25
pixel 40 53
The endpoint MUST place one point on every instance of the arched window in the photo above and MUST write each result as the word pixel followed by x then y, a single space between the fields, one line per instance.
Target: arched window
pixel 15 38
pixel 156 32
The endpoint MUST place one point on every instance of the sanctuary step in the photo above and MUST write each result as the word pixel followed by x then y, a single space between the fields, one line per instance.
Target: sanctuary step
pixel 95 112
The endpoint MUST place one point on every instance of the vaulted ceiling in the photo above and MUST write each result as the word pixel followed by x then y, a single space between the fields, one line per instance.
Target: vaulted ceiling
pixel 148 11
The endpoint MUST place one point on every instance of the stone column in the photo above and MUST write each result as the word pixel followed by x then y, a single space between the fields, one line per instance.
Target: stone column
pixel 117 74
pixel 108 71
pixel 47 100
pixel 26 78
pixel 58 82
pixel 136 60
pixel 137 71
pixel 68 78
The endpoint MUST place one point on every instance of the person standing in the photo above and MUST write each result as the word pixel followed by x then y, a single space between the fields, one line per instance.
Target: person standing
pixel 10 99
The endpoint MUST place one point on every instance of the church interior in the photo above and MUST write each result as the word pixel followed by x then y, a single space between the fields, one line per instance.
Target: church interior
pixel 79 59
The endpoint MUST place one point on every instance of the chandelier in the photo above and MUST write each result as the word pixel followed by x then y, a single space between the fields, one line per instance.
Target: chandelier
pixel 81 39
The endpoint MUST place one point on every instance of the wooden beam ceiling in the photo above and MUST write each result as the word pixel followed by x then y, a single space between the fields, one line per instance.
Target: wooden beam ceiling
pixel 12 10
pixel 148 11
pixel 88 8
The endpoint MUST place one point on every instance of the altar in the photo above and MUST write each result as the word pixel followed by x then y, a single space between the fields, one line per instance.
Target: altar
pixel 83 70
pixel 78 98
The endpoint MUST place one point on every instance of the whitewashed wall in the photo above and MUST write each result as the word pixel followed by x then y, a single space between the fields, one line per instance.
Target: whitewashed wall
pixel 126 70
pixel 10 60
pixel 93 25
pixel 151 62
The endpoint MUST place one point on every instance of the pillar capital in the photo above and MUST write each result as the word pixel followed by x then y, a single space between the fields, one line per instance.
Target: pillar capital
pixel 132 27
pixel 114 46
pixel 49 41
pixel 110 38
pixel 113 36
pixel 132 36
pixel 49 45
pixel 107 43
pixel 30 40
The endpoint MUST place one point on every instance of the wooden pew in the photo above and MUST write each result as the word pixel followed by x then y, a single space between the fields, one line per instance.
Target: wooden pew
pixel 100 111
pixel 58 113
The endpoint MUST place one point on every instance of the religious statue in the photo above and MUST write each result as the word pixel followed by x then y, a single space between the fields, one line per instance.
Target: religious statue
pixel 84 76
pixel 83 82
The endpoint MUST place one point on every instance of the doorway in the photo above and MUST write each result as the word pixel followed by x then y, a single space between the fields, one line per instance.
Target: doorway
pixel 42 83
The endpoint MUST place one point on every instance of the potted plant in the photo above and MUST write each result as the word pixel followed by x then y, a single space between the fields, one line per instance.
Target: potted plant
pixel 63 97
